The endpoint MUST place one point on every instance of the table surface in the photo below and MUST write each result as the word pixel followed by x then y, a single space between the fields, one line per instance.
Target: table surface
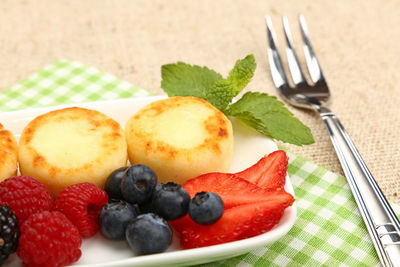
pixel 357 45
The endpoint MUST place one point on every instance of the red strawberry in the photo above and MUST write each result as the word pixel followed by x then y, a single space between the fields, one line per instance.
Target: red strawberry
pixel 233 190
pixel 269 214
pixel 249 210
pixel 268 172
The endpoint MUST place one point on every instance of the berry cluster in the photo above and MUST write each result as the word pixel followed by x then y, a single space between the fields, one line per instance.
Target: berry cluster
pixel 254 202
pixel 42 231
pixel 210 209
pixel 140 208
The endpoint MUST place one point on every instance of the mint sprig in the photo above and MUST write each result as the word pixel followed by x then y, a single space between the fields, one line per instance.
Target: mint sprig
pixel 260 111
pixel 223 91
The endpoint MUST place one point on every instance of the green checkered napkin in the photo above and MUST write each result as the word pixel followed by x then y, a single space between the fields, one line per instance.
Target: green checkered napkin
pixel 329 230
pixel 66 82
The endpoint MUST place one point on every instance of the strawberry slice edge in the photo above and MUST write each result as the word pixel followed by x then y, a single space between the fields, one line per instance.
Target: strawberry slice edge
pixel 269 172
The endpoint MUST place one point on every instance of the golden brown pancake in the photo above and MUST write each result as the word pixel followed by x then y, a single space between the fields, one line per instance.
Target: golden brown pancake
pixel 180 138
pixel 72 145
pixel 8 154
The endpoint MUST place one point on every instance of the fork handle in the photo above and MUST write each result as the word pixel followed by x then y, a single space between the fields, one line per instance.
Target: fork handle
pixel 380 220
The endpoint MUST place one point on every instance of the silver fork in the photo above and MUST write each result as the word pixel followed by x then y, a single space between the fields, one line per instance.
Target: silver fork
pixel 380 220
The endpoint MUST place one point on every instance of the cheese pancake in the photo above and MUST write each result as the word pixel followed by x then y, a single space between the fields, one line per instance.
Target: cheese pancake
pixel 8 154
pixel 180 138
pixel 70 146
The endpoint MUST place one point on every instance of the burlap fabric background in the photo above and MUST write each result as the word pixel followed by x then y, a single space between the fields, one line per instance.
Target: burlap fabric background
pixel 357 42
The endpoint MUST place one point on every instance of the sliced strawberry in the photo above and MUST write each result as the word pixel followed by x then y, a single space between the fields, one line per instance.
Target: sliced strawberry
pixel 233 190
pixel 269 215
pixel 268 172
pixel 236 223
pixel 194 235
pixel 248 210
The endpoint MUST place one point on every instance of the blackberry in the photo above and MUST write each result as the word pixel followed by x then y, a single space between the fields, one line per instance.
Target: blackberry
pixel 9 233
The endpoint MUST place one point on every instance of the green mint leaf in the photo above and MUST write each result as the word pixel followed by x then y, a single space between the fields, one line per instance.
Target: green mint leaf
pixel 242 73
pixel 270 117
pixel 222 93
pixel 181 79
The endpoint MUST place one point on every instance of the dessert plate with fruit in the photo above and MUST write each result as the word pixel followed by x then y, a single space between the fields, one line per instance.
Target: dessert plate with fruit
pixel 254 198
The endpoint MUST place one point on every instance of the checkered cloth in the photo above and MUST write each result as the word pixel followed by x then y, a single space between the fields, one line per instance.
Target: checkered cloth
pixel 66 82
pixel 329 230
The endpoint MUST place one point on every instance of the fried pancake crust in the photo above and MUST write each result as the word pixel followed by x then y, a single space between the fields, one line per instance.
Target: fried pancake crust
pixel 71 145
pixel 8 154
pixel 180 138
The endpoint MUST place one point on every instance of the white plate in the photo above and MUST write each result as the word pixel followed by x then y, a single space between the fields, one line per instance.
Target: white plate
pixel 97 251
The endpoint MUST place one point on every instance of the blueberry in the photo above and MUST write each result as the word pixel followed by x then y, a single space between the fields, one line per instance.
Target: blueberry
pixel 113 183
pixel 206 208
pixel 114 217
pixel 148 234
pixel 170 201
pixel 138 184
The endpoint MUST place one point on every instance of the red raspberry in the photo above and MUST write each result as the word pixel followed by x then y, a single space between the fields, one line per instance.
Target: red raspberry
pixel 49 239
pixel 82 203
pixel 25 196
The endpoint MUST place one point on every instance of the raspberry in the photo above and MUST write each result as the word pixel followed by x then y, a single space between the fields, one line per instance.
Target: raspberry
pixel 82 203
pixel 25 196
pixel 49 239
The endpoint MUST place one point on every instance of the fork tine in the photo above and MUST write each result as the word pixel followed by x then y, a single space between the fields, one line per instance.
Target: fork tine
pixel 278 74
pixel 311 59
pixel 294 66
